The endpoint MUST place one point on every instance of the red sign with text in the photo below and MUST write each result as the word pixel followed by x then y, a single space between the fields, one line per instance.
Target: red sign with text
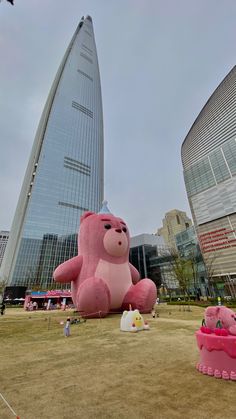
pixel 217 239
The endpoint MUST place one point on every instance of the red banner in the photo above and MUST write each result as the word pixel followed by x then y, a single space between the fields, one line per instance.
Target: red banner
pixel 217 239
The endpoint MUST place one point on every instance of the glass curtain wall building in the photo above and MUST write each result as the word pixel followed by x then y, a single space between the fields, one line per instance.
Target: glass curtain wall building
pixel 209 162
pixel 64 176
pixel 189 249
pixel 151 257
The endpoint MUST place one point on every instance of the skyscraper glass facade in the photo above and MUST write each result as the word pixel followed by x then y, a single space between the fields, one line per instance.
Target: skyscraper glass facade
pixel 64 176
pixel 209 162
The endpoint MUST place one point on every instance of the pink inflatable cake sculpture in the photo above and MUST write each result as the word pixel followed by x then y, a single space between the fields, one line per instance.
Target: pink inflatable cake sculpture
pixel 216 341
pixel 102 279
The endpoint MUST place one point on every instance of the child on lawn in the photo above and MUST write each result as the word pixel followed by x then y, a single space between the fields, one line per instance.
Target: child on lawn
pixel 67 328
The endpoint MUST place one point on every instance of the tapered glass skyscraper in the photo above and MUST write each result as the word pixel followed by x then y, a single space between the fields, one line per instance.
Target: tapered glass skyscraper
pixel 64 176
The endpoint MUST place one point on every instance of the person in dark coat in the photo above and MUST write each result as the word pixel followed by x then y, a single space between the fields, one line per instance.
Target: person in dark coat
pixel 3 307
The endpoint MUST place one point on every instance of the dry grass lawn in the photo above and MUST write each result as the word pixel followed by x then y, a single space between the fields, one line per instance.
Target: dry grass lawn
pixel 100 372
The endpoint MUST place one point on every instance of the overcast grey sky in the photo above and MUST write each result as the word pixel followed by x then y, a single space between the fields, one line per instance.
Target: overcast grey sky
pixel 160 60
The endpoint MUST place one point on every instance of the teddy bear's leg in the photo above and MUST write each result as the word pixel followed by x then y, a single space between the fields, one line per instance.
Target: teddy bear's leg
pixel 93 298
pixel 141 296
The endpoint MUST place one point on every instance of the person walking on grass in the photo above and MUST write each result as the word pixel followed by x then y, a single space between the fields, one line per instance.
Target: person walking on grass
pixel 67 328
pixel 153 312
pixel 3 307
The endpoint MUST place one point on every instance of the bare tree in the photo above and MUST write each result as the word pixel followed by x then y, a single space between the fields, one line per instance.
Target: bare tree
pixel 209 260
pixel 193 268
pixel 183 270
pixel 3 283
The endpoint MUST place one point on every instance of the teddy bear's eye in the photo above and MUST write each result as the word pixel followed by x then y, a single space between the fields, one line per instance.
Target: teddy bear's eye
pixel 107 226
pixel 124 229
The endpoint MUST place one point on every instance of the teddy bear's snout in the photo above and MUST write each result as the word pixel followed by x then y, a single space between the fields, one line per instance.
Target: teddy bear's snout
pixel 118 230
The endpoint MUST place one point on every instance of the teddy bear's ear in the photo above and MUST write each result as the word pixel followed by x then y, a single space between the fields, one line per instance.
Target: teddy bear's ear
pixel 85 215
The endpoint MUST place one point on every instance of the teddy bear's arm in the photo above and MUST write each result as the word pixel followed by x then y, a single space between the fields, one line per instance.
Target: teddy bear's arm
pixel 69 270
pixel 134 274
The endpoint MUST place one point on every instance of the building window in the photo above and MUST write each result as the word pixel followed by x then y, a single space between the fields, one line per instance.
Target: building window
pixel 87 49
pixel 82 108
pixel 86 58
pixel 219 166
pixel 76 165
pixel 85 75
pixel 67 204
pixel 229 149
pixel 199 177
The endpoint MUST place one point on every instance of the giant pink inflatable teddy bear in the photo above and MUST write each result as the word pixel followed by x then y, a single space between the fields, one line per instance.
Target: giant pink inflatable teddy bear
pixel 102 278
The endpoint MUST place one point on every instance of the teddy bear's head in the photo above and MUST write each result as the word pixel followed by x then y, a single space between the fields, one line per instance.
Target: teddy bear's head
pixel 104 235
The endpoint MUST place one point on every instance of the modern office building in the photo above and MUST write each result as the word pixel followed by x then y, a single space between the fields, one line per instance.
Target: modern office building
pixel 188 248
pixel 4 236
pixel 64 176
pixel 209 163
pixel 151 257
pixel 174 222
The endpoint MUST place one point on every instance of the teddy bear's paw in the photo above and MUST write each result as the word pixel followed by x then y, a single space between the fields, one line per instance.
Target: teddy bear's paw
pixel 141 296
pixel 93 298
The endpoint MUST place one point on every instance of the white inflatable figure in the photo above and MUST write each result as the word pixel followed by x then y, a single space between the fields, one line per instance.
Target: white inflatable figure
pixel 132 321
